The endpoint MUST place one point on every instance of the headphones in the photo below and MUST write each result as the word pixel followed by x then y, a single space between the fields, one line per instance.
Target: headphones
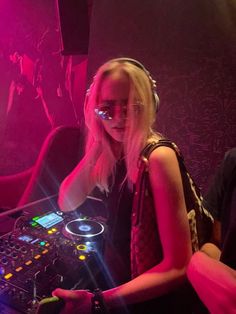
pixel 156 100
pixel 139 65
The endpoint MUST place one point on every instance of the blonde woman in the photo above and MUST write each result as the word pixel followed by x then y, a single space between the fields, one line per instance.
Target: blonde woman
pixel 120 110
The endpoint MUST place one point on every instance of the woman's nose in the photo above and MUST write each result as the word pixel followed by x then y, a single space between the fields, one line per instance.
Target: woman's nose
pixel 120 112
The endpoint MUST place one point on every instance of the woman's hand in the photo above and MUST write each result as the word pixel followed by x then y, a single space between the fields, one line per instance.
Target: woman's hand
pixel 76 301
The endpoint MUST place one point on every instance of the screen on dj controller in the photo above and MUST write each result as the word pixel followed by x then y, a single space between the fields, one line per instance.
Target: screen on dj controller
pixel 48 220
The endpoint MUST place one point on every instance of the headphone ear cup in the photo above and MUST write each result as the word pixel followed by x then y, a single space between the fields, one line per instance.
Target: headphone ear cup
pixel 156 101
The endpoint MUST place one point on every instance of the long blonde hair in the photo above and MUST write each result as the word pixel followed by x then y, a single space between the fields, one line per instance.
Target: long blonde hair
pixel 140 125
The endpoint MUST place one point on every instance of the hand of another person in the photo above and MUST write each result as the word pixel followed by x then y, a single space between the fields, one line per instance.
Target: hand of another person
pixel 76 301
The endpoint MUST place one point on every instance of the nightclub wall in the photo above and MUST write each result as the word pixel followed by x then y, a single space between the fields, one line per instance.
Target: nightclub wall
pixel 40 89
pixel 190 48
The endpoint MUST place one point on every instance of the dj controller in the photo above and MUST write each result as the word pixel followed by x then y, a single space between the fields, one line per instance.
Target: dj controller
pixel 45 250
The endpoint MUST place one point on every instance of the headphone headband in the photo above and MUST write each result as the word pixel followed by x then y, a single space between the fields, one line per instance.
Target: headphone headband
pixel 139 65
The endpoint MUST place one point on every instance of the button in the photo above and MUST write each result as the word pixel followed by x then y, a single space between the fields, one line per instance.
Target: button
pixel 4 260
pixel 81 247
pixel 8 276
pixel 14 255
pixel 82 257
pixel 11 244
pixel 2 271
pixel 8 251
pixel 23 249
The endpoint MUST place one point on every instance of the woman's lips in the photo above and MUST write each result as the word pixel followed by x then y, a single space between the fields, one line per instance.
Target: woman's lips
pixel 119 129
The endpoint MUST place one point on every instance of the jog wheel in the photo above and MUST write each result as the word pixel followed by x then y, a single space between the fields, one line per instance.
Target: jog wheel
pixel 83 229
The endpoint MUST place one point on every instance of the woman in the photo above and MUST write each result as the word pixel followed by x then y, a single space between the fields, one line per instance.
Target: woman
pixel 119 112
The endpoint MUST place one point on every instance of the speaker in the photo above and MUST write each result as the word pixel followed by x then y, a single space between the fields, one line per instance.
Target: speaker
pixel 74 26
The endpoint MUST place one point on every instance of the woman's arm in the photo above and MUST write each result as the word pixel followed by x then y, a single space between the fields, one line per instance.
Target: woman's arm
pixel 174 232
pixel 80 182
pixel 214 282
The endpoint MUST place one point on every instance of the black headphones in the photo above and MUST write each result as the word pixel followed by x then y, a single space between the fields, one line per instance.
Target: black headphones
pixel 139 65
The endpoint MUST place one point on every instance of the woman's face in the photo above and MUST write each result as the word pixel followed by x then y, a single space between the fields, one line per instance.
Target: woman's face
pixel 113 99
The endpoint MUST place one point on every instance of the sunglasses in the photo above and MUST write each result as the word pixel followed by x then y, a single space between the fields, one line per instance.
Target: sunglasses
pixel 106 110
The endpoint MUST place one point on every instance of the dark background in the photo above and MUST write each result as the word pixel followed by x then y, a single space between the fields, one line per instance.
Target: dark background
pixel 188 46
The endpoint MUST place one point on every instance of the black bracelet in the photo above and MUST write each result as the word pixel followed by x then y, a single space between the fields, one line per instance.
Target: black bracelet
pixel 98 305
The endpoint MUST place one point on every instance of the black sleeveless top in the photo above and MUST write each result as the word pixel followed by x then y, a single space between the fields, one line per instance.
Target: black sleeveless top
pixel 117 239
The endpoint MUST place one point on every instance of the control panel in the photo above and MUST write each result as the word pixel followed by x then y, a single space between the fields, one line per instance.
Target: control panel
pixel 44 252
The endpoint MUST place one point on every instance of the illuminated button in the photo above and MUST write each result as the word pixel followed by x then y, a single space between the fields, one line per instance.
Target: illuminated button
pixel 28 262
pixel 54 229
pixel 49 231
pixel 44 251
pixel 37 256
pixel 18 269
pixel 8 276
pixel 42 243
pixel 35 218
pixel 81 247
pixel 34 224
pixel 47 244
pixel 82 257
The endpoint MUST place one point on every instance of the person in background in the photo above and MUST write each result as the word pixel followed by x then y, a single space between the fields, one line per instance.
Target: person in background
pixel 212 272
pixel 147 252
pixel 220 200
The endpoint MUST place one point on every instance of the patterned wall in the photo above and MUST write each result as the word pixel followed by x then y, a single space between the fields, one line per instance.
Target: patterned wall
pixel 190 48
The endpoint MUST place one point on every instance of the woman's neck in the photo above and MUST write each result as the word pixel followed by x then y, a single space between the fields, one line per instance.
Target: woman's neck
pixel 117 149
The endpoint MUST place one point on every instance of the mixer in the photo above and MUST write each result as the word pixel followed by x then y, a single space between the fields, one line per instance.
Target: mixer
pixel 48 249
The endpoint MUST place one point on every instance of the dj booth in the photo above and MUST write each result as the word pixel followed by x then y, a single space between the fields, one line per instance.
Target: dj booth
pixel 46 249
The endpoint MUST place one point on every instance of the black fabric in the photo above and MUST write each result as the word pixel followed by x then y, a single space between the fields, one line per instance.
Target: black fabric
pixel 182 301
pixel 221 202
pixel 228 255
pixel 220 199
pixel 117 246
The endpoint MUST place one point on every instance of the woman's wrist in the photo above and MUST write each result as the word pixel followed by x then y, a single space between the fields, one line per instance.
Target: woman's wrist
pixel 112 299
pixel 104 301
pixel 98 303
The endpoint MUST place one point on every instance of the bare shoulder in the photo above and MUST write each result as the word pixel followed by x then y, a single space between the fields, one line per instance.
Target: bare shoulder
pixel 164 156
pixel 163 160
